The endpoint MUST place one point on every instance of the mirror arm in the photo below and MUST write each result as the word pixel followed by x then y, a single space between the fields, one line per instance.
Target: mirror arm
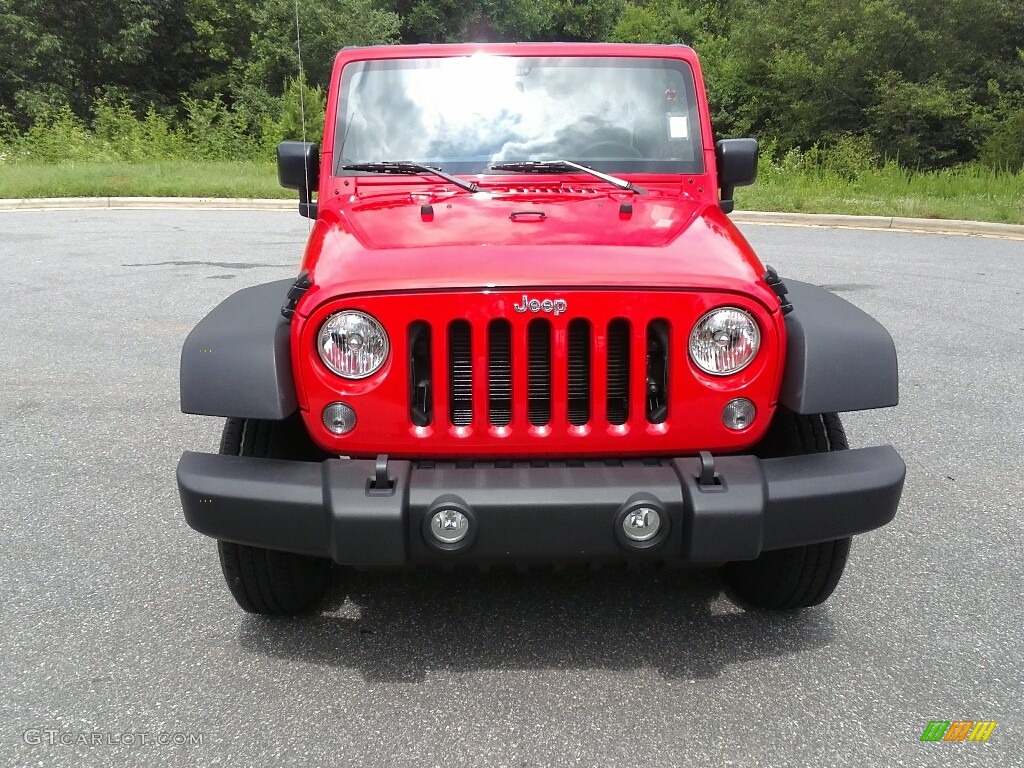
pixel 727 204
pixel 307 207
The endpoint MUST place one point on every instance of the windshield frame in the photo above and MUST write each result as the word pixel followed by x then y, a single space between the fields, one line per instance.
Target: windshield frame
pixel 624 56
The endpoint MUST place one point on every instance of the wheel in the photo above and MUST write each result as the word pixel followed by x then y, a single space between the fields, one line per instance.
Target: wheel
pixel 269 581
pixel 797 577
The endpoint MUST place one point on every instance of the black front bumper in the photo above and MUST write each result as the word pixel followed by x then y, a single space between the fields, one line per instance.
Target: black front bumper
pixel 337 509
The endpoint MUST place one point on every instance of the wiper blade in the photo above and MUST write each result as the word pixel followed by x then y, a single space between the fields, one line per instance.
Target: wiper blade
pixel 409 168
pixel 565 166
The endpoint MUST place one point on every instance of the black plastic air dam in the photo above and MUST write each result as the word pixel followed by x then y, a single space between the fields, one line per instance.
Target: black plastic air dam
pixel 551 513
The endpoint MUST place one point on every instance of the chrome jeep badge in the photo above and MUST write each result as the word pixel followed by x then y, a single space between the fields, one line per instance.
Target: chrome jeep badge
pixel 551 306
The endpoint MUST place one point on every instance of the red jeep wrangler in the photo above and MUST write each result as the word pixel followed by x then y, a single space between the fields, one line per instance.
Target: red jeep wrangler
pixel 524 331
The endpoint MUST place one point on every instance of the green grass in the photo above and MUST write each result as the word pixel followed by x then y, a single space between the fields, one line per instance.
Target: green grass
pixel 968 193
pixel 166 178
pixel 974 193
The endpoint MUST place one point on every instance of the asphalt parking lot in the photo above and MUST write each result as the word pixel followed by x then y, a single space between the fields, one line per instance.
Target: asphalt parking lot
pixel 115 620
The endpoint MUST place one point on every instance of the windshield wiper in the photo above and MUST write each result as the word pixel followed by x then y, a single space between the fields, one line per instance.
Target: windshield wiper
pixel 565 166
pixel 409 168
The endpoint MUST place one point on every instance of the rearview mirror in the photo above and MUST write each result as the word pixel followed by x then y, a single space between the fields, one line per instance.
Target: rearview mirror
pixel 737 167
pixel 298 167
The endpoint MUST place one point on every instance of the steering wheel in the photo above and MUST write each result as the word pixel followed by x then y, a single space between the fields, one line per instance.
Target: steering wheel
pixel 612 150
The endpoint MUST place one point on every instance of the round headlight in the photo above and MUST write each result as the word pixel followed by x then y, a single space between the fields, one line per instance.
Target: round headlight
pixel 352 344
pixel 724 341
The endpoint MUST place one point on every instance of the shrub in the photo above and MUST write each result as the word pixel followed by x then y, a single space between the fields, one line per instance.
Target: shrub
pixel 8 134
pixel 59 136
pixel 848 157
pixel 216 132
pixel 1003 148
pixel 299 98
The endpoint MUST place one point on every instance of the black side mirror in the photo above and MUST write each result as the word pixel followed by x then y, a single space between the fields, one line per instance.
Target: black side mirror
pixel 737 167
pixel 298 167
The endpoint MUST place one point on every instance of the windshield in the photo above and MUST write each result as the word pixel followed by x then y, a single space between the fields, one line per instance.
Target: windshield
pixel 464 114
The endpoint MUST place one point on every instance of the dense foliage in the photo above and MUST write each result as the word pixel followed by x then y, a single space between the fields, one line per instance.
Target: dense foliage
pixel 858 81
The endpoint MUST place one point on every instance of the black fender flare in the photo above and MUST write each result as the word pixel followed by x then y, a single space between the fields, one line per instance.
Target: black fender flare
pixel 838 358
pixel 237 361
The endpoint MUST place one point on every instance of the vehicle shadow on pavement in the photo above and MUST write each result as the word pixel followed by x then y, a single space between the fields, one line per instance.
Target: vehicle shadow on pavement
pixel 398 627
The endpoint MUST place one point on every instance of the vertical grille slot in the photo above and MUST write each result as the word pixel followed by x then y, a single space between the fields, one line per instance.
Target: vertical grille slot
pixel 618 372
pixel 657 371
pixel 499 372
pixel 421 394
pixel 579 372
pixel 539 372
pixel 460 374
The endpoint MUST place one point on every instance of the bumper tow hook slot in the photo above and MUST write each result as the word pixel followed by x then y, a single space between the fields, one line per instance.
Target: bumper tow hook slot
pixel 380 484
pixel 707 470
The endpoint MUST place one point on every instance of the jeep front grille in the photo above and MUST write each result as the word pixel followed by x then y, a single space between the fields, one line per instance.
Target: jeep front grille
pixel 572 372
pixel 540 374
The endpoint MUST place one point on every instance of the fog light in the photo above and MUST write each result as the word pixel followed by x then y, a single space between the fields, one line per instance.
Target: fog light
pixel 339 418
pixel 739 413
pixel 449 526
pixel 641 524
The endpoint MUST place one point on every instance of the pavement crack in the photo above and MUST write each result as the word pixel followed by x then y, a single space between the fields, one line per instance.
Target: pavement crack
pixel 219 264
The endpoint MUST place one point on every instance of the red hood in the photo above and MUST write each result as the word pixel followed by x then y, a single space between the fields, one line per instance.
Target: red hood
pixel 391 243
pixel 555 217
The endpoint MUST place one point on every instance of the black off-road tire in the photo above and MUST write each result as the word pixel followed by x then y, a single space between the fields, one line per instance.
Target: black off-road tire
pixel 797 577
pixel 268 581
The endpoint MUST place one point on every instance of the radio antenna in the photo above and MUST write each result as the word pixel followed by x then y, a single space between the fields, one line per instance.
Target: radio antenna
pixel 302 105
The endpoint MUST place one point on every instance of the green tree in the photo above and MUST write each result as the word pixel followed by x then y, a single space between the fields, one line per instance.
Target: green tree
pixel 450 21
pixel 912 75
pixel 324 27
pixel 69 53
pixel 302 112
pixel 584 20
pixel 221 35
pixel 932 84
